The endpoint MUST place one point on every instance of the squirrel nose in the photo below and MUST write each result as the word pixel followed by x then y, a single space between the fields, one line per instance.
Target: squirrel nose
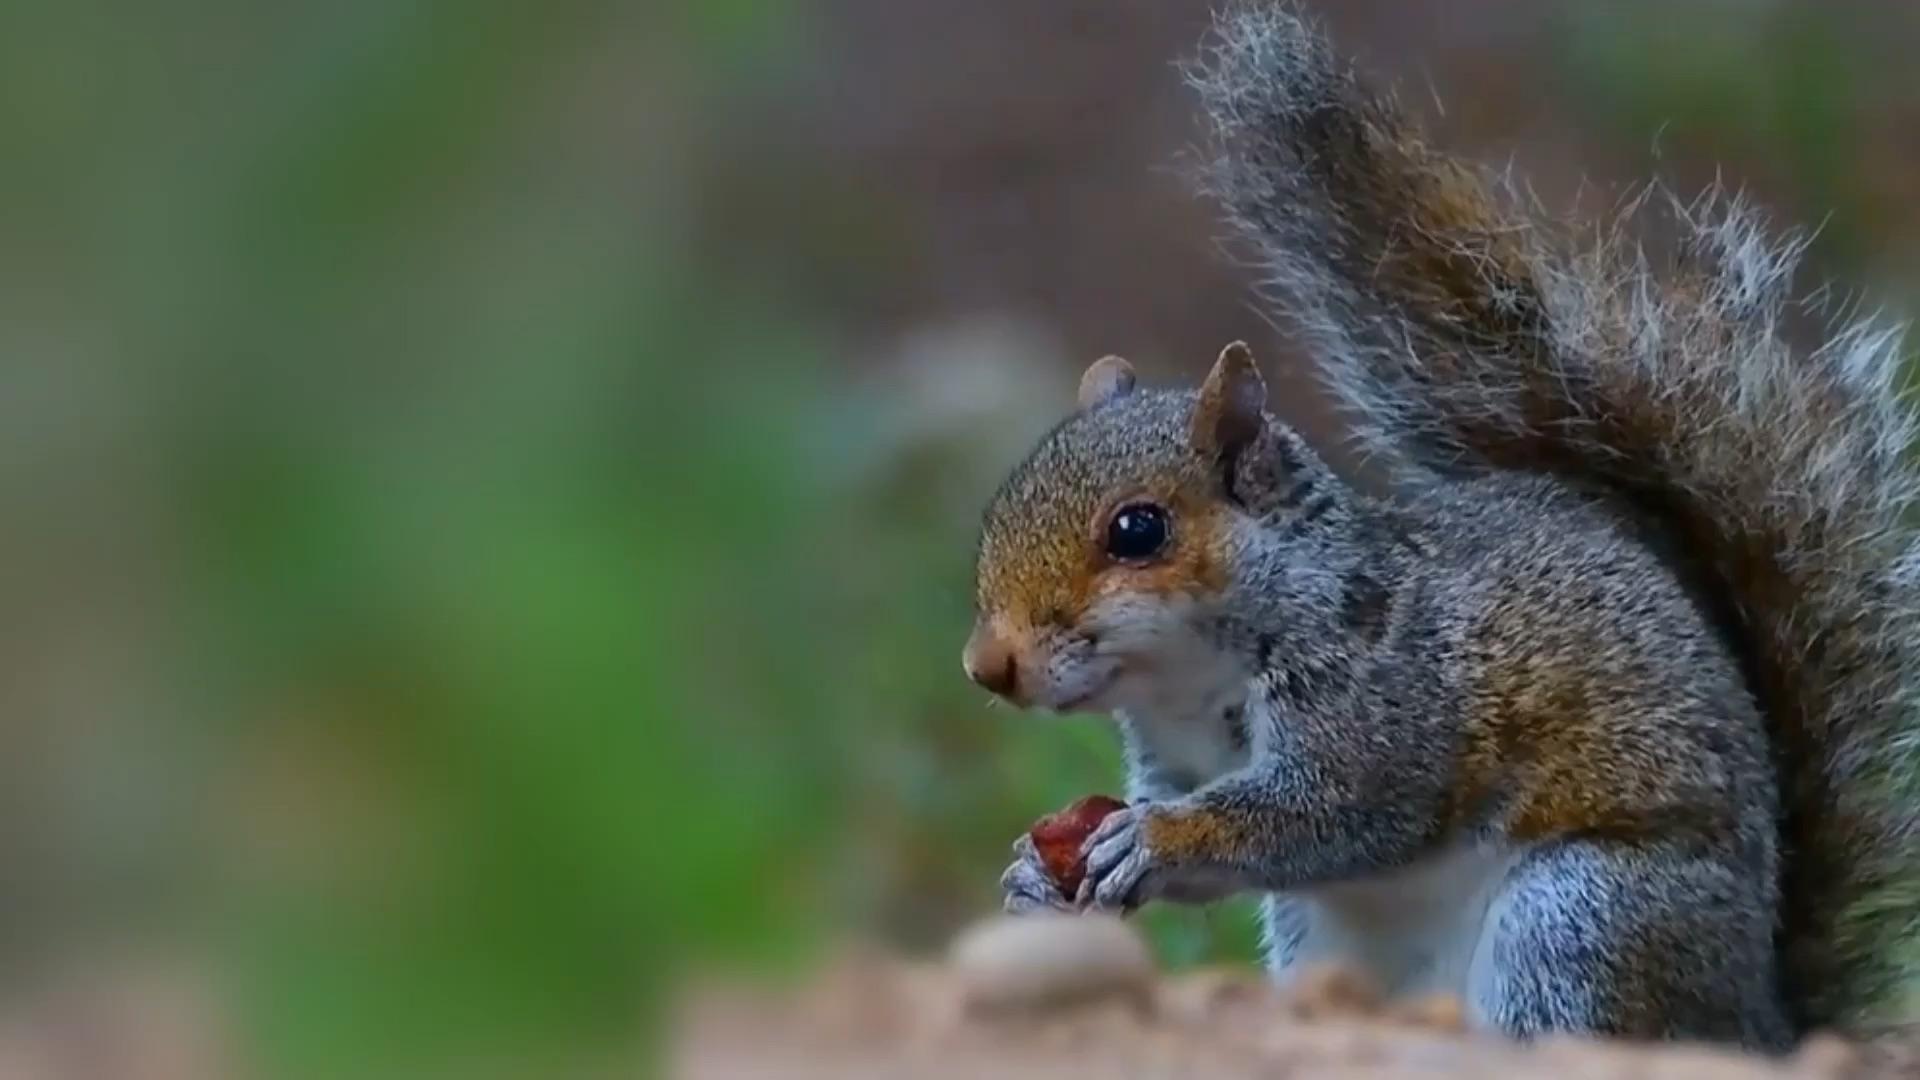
pixel 989 661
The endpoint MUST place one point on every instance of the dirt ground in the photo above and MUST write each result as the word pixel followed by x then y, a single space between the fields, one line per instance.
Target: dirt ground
pixel 1020 999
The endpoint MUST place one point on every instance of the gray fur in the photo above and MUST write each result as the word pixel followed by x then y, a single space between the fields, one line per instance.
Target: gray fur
pixel 1641 623
pixel 1784 476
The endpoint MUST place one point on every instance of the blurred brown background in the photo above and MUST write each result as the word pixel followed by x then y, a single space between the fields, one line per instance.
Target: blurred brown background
pixel 490 486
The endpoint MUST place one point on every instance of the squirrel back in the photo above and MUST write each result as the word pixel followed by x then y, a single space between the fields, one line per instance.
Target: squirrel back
pixel 1466 333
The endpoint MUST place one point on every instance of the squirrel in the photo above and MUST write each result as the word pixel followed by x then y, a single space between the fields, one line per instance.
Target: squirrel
pixel 1596 716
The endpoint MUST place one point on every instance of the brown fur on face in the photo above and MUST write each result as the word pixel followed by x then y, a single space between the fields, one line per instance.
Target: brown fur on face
pixel 1194 563
pixel 1043 559
pixel 1123 447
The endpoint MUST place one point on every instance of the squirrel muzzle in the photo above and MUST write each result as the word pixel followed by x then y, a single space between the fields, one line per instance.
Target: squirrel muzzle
pixel 992 661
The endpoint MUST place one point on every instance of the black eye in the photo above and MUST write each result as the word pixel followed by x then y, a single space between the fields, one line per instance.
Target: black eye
pixel 1138 531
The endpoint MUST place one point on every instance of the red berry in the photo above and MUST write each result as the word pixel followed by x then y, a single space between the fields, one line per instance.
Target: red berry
pixel 1059 836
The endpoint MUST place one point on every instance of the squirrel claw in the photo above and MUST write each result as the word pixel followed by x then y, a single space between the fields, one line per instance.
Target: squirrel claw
pixel 1027 886
pixel 1118 864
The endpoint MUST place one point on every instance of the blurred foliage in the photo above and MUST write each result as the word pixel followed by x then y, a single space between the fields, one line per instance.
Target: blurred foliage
pixel 1775 86
pixel 518 604
pixel 530 627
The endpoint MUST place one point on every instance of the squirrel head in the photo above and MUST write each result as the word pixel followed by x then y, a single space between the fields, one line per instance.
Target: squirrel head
pixel 1130 544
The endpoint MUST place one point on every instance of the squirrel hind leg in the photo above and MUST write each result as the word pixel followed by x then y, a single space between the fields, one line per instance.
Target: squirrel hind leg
pixel 1682 948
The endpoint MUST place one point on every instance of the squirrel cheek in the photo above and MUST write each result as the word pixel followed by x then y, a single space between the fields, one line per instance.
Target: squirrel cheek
pixel 1122 615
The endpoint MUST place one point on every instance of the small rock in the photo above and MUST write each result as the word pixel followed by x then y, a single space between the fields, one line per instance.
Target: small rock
pixel 1047 960
pixel 1437 1012
pixel 1826 1054
pixel 861 995
pixel 1201 997
pixel 1332 991
pixel 1894 1052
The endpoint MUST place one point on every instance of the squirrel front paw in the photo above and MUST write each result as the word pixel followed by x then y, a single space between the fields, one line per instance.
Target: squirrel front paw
pixel 1027 885
pixel 1120 866
pixel 1157 851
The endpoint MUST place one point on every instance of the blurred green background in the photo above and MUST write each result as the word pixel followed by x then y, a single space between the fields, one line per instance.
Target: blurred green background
pixel 490 487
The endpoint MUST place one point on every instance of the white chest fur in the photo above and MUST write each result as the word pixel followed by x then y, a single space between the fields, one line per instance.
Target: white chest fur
pixel 1186 718
pixel 1189 750
pixel 1422 930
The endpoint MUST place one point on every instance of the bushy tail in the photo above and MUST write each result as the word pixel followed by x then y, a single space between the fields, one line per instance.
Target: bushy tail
pixel 1465 333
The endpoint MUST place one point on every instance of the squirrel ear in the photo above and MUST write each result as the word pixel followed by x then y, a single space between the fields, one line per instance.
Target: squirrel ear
pixel 1232 403
pixel 1106 378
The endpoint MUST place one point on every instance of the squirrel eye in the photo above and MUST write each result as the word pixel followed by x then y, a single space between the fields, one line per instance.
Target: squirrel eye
pixel 1137 531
